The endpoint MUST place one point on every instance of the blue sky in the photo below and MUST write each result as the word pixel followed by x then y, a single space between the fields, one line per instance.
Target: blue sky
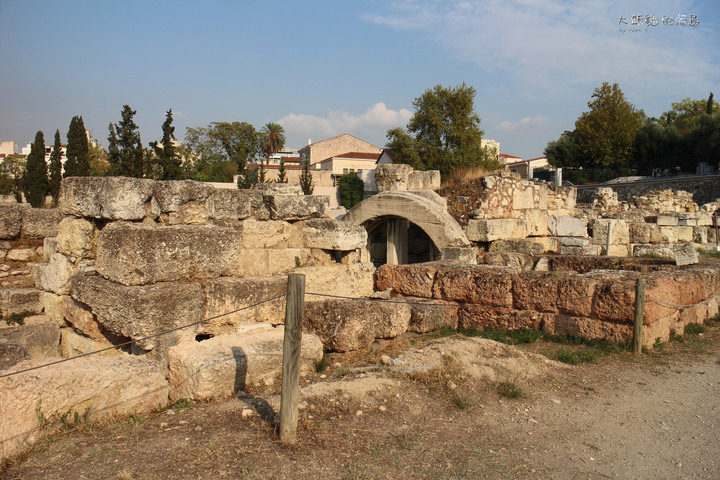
pixel 322 68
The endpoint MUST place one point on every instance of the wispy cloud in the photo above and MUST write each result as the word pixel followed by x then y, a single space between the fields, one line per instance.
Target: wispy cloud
pixel 534 132
pixel 370 125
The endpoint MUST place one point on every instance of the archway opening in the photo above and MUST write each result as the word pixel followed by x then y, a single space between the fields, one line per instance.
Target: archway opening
pixel 397 241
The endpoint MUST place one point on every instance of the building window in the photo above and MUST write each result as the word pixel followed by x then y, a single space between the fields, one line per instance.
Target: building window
pixel 359 170
pixel 345 170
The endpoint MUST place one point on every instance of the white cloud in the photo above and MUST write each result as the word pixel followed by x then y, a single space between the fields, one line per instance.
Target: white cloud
pixel 526 137
pixel 370 126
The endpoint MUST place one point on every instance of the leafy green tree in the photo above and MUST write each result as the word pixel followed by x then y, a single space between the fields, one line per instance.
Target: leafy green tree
pixel 564 151
pixel 126 154
pixel 306 180
pixel 351 190
pixel 606 133
pixel 687 113
pixel 168 160
pixel 98 159
pixel 11 175
pixel 444 133
pixel 272 140
pixel 77 163
pixel 282 175
pixel 35 180
pixel 55 168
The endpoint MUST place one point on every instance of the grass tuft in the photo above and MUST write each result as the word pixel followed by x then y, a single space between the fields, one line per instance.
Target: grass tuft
pixel 509 389
pixel 572 357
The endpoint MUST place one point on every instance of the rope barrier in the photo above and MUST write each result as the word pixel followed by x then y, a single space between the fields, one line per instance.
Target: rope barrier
pixel 140 339
pixel 675 305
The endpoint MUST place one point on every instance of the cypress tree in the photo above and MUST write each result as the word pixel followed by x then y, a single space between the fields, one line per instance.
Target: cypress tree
pixel 306 178
pixel 282 176
pixel 168 159
pixel 78 162
pixel 709 107
pixel 35 180
pixel 126 154
pixel 55 168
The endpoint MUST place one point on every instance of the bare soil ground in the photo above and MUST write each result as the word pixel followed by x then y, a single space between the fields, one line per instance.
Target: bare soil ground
pixel 621 416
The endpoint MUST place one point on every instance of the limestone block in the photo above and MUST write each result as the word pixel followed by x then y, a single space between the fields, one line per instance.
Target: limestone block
pixel 76 238
pixel 172 195
pixel 40 222
pixel 411 280
pixel 270 234
pixel 354 280
pixel 700 234
pixel 49 248
pixel 574 241
pixel 685 254
pixel 488 230
pixel 653 251
pixel 11 220
pixel 16 300
pixel 81 319
pixel 135 254
pixel 428 315
pixel 644 233
pixel 38 335
pixel 55 275
pixel 94 387
pixel 676 234
pixel 21 255
pixel 517 262
pixel 52 305
pixel 619 233
pixel 11 354
pixel 347 325
pixel 540 196
pixel 549 244
pixel 705 220
pixel 73 344
pixel 392 177
pixel 112 198
pixel 522 199
pixel 332 234
pixel 480 317
pixel 566 226
pixel 260 261
pixel 685 221
pixel 237 205
pixel 615 296
pixel 226 294
pixel 616 250
pixel 580 250
pixel 664 220
pixel 536 222
pixel 292 207
pixel 140 311
pixel 426 180
pixel 481 284
pixel 526 246
pixel 587 328
pixel 465 255
pixel 226 364
pixel 271 188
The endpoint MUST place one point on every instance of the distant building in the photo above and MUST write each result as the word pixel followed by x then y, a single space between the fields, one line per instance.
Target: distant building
pixel 492 146
pixel 341 144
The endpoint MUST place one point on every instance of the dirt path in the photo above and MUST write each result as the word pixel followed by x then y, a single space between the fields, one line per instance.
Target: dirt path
pixel 620 417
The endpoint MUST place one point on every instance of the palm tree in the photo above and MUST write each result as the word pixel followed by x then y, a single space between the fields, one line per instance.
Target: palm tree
pixel 272 139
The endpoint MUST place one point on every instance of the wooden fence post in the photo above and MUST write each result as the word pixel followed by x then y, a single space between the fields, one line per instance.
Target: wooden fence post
pixel 290 393
pixel 639 310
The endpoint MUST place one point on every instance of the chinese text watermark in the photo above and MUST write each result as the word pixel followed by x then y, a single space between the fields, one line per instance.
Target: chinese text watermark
pixel 642 23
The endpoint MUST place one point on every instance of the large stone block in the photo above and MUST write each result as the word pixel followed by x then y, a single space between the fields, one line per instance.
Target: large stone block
pixel 354 280
pixel 77 238
pixel 141 311
pixel 644 233
pixel 225 295
pixel 580 250
pixel 134 254
pixel 411 280
pixel 536 222
pixel 676 234
pixel 482 316
pixel 11 354
pixel 566 226
pixel 685 254
pixel 11 220
pixel 276 234
pixel 73 344
pixel 94 387
pixel 237 205
pixel 52 305
pixel 111 198
pixel 172 195
pixel 653 251
pixel 619 232
pixel 262 261
pixel 347 325
pixel 482 284
pixel 392 177
pixel 226 364
pixel 54 276
pixel 464 255
pixel 519 245
pixel 430 314
pixel 82 320
pixel 488 230
pixel 40 222
pixel 330 234
pixel 38 335
pixel 614 299
pixel 16 300
pixel 518 262
pixel 293 207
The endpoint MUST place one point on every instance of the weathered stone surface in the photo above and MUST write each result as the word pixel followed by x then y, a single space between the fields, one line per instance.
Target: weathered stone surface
pixel 39 336
pixel 587 327
pixel 614 296
pixel 488 230
pixel 237 205
pixel 77 238
pixel 619 233
pixel 112 198
pixel 134 254
pixel 663 220
pixel 49 248
pixel 392 177
pixel 430 314
pixel 81 319
pixel 10 220
pixel 566 226
pixel 40 222
pixel 140 311
pixel 354 280
pixel 225 295
pixel 261 261
pixel 276 234
pixel 580 250
pixel 332 234
pixel 482 284
pixel 55 275
pixel 517 245
pixel 536 222
pixel 94 387
pixel 616 250
pixel 15 300
pixel 464 255
pixel 700 234
pixel 685 254
pixel 21 255
pixel 73 344
pixel 653 251
pixel 574 241
pixel 411 280
pixel 518 262
pixel 347 325
pixel 11 354
pixel 424 180
pixel 52 305
pixel 676 234
pixel 226 364
pixel 292 207
pixel 537 292
pixel 172 195
pixel 481 316
pixel 644 233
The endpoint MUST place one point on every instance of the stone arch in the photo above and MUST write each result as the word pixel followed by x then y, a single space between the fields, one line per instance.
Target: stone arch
pixel 426 209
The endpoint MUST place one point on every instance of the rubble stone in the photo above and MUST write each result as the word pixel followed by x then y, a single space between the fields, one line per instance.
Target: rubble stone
pixel 77 238
pixel 38 335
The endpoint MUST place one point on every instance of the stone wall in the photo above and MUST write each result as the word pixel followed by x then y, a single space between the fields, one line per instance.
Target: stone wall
pixel 703 188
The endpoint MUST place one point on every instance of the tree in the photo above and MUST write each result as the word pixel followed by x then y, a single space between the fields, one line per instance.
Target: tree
pixel 35 180
pixel 55 168
pixel 272 140
pixel 444 133
pixel 564 151
pixel 710 104
pixel 687 113
pixel 11 175
pixel 306 180
pixel 126 154
pixel 168 160
pixel 282 175
pixel 606 133
pixel 351 190
pixel 77 163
